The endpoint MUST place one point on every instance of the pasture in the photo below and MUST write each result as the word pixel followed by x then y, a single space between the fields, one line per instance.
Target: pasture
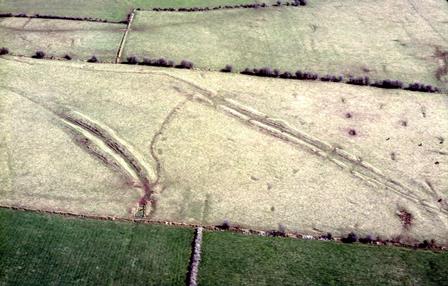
pixel 49 249
pixel 37 249
pixel 195 147
pixel 111 10
pixel 78 39
pixel 235 259
pixel 400 40
pixel 121 151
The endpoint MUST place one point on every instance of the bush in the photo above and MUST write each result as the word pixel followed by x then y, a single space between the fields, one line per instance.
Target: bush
pixel 146 62
pixel 132 60
pixel 368 239
pixel 421 87
pixel 359 80
pixel 184 64
pixel 390 84
pixel 286 75
pixel 306 75
pixel 67 57
pixel 352 237
pixel 327 236
pixel 248 71
pixel 39 55
pixel 225 225
pixel 4 51
pixel 265 72
pixel 227 68
pixel 93 59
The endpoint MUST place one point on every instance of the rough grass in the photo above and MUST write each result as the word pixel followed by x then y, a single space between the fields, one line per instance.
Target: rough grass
pixel 40 249
pixel 216 165
pixel 234 259
pixel 113 10
pixel 57 38
pixel 380 39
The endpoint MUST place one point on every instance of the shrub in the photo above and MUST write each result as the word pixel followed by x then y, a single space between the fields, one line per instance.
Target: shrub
pixel 326 78
pixel 170 63
pixel 351 237
pixel 327 236
pixel 4 51
pixel 248 71
pixel 93 59
pixel 358 80
pixel 146 62
pixel 132 60
pixel 265 72
pixel 390 84
pixel 67 57
pixel 286 75
pixel 421 87
pixel 227 68
pixel 184 64
pixel 368 239
pixel 39 55
pixel 306 75
pixel 336 78
pixel 225 225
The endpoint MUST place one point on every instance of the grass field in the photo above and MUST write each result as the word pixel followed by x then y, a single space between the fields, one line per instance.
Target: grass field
pixel 113 10
pixel 234 259
pixel 258 152
pixel 401 40
pixel 80 40
pixel 40 249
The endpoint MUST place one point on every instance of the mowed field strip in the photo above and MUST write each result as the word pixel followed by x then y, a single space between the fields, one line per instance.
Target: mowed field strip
pixel 196 147
pixel 78 39
pixel 401 40
pixel 111 10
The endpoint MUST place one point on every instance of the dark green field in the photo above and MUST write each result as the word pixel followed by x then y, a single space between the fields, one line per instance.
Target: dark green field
pixel 52 250
pixel 234 259
pixel 39 249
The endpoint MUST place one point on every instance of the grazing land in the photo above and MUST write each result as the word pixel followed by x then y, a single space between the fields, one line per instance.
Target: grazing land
pixel 78 39
pixel 112 10
pixel 38 249
pixel 402 40
pixel 234 259
pixel 196 147
pixel 52 249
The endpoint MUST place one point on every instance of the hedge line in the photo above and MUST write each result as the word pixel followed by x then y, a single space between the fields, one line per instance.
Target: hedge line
pixel 89 19
pixel 295 3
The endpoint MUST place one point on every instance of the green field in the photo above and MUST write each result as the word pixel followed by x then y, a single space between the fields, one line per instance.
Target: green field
pixel 113 10
pixel 40 249
pixel 368 38
pixel 234 259
pixel 80 40
pixel 43 249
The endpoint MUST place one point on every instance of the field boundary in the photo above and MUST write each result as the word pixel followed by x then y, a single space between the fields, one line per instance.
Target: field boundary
pixel 66 18
pixel 224 227
pixel 195 260
pixel 125 35
pixel 223 7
